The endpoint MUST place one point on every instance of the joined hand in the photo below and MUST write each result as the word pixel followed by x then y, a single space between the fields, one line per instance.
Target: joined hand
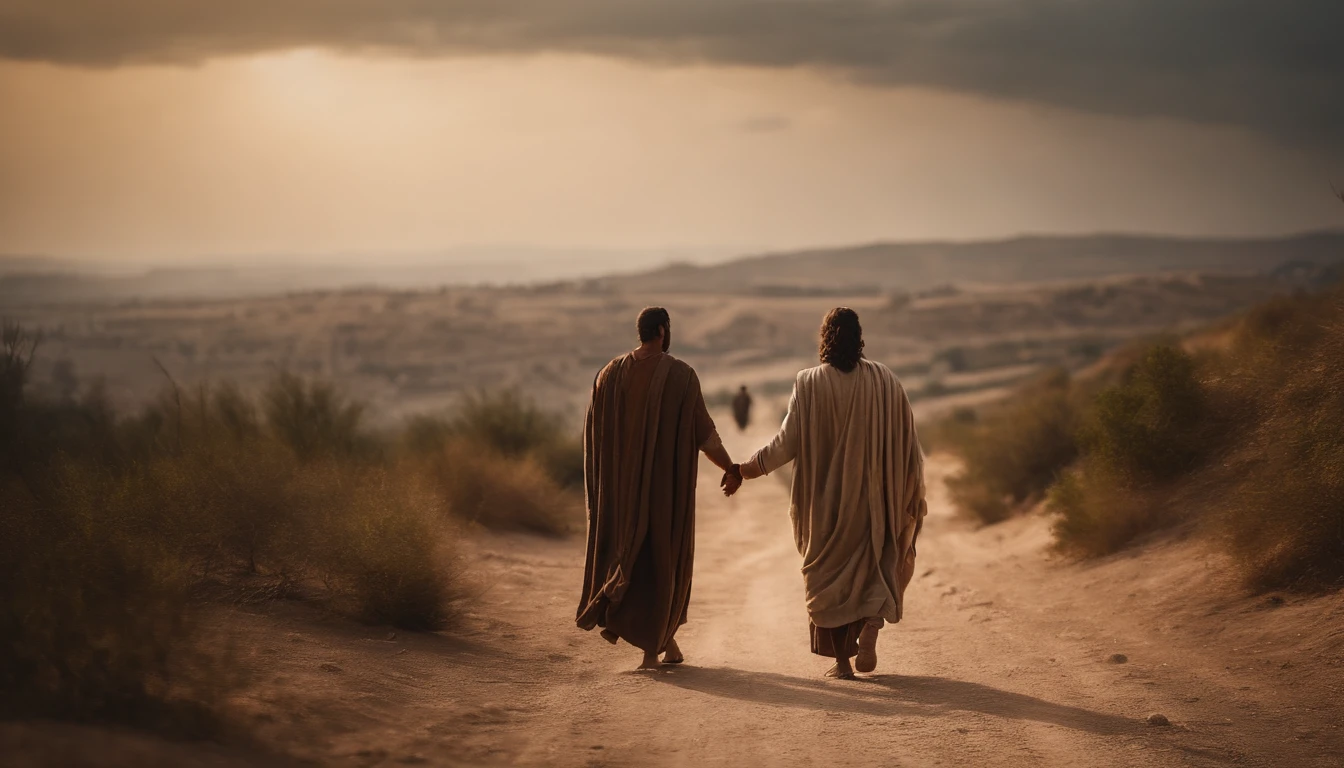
pixel 732 480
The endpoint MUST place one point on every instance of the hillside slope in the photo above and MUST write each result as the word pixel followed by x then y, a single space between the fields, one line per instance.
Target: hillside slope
pixel 884 267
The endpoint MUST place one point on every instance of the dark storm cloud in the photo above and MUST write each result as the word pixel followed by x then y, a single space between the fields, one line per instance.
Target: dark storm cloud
pixel 1276 66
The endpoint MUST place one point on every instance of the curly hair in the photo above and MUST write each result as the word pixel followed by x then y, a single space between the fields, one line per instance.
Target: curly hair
pixel 841 339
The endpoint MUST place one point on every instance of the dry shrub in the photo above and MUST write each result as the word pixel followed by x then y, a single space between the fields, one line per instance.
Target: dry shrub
pixel 500 462
pixel 498 492
pixel 97 620
pixel 563 462
pixel 1284 512
pixel 947 431
pixel 507 424
pixel 258 523
pixel 313 419
pixel 1098 512
pixel 505 421
pixel 383 546
pixel 1248 437
pixel 1013 453
pixel 113 530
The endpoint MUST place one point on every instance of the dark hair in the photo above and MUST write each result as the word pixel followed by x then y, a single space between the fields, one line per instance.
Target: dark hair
pixel 841 339
pixel 650 320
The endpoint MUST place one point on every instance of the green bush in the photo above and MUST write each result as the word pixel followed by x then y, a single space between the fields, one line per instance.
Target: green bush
pixel 1149 426
pixel 1013 453
pixel 1246 438
pixel 1139 436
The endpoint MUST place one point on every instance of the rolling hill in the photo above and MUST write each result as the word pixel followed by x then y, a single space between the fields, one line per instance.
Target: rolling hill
pixel 888 267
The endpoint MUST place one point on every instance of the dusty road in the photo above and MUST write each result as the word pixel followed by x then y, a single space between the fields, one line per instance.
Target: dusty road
pixel 1003 660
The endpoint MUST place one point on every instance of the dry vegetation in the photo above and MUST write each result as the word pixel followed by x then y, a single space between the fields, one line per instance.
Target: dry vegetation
pixel 1242 436
pixel 1139 436
pixel 1013 452
pixel 115 530
pixel 1284 389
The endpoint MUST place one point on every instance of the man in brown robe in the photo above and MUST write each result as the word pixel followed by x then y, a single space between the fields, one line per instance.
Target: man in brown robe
pixel 857 503
pixel 646 425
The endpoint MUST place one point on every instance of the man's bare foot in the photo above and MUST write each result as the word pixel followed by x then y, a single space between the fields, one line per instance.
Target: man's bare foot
pixel 867 658
pixel 650 661
pixel 841 671
pixel 672 653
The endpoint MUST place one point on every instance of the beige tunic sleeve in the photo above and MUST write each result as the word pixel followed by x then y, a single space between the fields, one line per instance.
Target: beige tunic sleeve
pixel 781 450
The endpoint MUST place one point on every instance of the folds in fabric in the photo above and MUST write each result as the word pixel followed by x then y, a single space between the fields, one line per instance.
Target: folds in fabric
pixel 641 443
pixel 857 502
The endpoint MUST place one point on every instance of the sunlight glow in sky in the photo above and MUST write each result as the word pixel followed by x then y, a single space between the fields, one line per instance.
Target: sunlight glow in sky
pixel 312 151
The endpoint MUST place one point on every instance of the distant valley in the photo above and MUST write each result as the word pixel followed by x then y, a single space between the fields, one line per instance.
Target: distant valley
pixel 959 322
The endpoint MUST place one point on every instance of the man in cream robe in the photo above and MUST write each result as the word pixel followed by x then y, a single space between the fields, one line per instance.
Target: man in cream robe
pixel 857 502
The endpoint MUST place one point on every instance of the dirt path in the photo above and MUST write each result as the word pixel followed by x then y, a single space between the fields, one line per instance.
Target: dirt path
pixel 1003 660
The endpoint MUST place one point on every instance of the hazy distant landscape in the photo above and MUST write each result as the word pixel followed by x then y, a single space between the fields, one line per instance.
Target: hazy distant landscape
pixel 957 322
pixel 856 270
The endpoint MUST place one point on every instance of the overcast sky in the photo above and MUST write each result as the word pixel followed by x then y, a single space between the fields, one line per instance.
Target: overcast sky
pixel 146 129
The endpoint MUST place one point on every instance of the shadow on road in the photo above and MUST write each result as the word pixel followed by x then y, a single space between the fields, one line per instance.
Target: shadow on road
pixel 891 695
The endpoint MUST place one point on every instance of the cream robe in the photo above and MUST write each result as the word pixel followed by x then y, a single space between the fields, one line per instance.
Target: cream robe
pixel 857 503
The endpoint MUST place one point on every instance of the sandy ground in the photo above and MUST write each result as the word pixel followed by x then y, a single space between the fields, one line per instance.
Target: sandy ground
pixel 1005 659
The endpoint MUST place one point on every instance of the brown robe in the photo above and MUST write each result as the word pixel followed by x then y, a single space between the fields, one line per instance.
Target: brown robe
pixel 646 425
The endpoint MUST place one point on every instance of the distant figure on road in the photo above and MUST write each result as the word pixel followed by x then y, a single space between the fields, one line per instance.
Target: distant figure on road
pixel 858 493
pixel 646 424
pixel 742 409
